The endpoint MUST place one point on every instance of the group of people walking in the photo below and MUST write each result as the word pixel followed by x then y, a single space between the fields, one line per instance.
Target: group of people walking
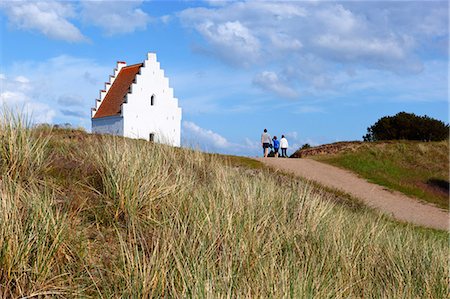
pixel 274 143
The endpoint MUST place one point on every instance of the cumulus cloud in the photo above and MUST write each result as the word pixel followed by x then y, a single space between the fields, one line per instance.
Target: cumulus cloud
pixel 232 40
pixel 13 98
pixel 50 18
pixel 242 33
pixel 339 19
pixel 302 28
pixel 15 93
pixel 115 17
pixel 54 19
pixel 54 90
pixel 22 79
pixel 293 135
pixel 39 112
pixel 296 140
pixel 284 42
pixel 165 19
pixel 210 141
pixel 271 82
pixel 206 137
pixel 388 37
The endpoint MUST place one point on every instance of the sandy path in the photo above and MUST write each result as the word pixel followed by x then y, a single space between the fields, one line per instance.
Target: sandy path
pixel 398 205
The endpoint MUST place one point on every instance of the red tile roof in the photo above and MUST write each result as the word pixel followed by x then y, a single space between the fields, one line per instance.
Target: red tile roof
pixel 110 105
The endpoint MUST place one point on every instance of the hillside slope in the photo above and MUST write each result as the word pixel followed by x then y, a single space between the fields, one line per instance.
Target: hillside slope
pixel 92 216
pixel 418 169
pixel 392 204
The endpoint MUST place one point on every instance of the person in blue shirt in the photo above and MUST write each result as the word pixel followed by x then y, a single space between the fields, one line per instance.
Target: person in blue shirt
pixel 276 146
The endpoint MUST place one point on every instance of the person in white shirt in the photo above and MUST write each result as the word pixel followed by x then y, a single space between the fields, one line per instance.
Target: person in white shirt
pixel 266 141
pixel 284 146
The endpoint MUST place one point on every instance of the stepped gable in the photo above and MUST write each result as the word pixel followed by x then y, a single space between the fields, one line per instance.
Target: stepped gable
pixel 114 98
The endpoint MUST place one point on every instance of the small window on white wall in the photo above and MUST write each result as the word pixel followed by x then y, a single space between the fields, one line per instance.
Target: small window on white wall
pixel 152 100
pixel 151 137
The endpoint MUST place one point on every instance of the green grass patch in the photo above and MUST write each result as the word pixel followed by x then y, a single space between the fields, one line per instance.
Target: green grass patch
pixel 418 169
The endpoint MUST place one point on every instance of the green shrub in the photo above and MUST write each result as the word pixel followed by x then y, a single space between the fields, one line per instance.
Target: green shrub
pixel 407 126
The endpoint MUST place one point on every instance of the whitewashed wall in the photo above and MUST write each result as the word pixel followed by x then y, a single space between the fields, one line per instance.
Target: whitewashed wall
pixel 108 125
pixel 141 118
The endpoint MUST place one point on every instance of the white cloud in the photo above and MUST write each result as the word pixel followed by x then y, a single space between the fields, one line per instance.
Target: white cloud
pixel 252 144
pixel 378 53
pixel 55 90
pixel 296 141
pixel 53 18
pixel 47 17
pixel 284 42
pixel 270 81
pixel 434 23
pixel 207 137
pixel 241 33
pixel 232 40
pixel 22 79
pixel 117 17
pixel 210 141
pixel 327 36
pixel 13 98
pixel 293 135
pixel 339 19
pixel 165 19
pixel 14 91
pixel 15 94
pixel 39 112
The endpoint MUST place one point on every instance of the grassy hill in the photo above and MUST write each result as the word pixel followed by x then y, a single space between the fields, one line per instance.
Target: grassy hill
pixel 92 216
pixel 418 169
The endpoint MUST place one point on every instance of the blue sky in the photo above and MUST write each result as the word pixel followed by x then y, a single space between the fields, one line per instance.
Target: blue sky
pixel 315 71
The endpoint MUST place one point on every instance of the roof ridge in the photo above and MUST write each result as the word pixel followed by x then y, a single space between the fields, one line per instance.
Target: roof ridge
pixel 133 65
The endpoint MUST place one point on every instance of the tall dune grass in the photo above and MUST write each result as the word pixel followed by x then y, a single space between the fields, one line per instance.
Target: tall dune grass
pixel 33 256
pixel 157 221
pixel 35 253
pixel 219 232
pixel 22 153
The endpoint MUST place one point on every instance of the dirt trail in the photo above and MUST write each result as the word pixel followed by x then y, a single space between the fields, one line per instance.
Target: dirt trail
pixel 396 204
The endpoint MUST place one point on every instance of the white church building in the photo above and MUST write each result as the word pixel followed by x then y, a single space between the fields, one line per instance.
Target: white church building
pixel 138 102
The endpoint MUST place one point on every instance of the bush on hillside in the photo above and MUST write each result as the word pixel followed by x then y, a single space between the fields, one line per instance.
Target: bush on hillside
pixel 305 146
pixel 407 126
